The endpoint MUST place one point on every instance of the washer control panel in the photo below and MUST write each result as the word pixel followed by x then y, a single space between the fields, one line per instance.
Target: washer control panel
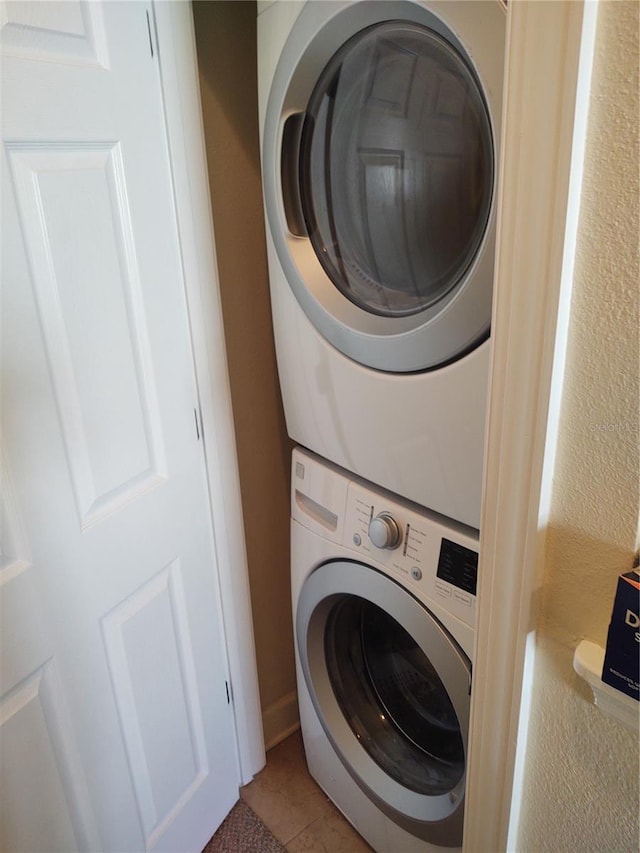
pixel 437 561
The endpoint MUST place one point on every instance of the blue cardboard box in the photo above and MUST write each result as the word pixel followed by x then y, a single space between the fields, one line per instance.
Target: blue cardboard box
pixel 621 668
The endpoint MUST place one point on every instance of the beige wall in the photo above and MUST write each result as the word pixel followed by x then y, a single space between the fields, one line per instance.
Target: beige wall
pixel 581 775
pixel 226 42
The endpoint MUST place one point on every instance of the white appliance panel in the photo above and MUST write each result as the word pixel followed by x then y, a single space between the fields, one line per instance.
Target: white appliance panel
pixel 419 434
pixel 331 511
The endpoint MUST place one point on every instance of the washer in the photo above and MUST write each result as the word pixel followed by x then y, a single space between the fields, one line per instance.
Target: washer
pixel 379 129
pixel 384 642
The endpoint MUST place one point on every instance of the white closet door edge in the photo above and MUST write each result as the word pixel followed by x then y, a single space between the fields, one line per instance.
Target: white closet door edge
pixel 181 93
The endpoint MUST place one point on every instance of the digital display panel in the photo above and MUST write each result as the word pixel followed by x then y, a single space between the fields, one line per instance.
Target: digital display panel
pixel 458 566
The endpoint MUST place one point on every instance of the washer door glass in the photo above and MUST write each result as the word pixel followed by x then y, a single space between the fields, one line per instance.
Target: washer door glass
pixel 396 168
pixel 392 698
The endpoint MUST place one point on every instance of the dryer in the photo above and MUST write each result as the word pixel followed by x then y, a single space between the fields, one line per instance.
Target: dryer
pixel 379 131
pixel 383 598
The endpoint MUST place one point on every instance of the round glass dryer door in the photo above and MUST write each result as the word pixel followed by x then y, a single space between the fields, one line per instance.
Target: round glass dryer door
pixel 396 169
pixel 379 170
pixel 391 689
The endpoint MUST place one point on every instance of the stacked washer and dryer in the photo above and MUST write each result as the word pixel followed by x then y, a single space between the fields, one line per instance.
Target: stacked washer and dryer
pixel 379 128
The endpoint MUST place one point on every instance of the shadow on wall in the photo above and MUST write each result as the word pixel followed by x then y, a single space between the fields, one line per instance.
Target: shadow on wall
pixel 226 45
pixel 579 585
pixel 225 30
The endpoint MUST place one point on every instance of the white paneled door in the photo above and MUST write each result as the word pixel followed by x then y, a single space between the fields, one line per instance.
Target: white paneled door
pixel 117 732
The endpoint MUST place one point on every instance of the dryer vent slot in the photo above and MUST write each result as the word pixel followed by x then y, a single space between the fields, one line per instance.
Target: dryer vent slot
pixel 317 512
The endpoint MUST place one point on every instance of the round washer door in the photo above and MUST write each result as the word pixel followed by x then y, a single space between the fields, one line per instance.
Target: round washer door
pixel 379 164
pixel 391 689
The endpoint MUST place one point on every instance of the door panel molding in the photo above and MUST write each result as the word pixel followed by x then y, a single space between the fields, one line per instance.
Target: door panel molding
pixel 152 622
pixel 73 34
pixel 34 713
pixel 90 178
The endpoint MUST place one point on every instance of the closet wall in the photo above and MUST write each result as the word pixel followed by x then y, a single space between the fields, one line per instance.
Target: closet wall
pixel 226 44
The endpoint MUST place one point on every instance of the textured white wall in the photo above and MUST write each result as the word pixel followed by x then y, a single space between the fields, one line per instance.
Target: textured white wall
pixel 581 773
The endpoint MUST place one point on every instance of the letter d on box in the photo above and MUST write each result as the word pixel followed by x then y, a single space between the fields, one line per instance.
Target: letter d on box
pixel 621 668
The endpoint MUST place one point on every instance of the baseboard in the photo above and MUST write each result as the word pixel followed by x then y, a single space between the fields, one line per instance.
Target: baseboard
pixel 280 719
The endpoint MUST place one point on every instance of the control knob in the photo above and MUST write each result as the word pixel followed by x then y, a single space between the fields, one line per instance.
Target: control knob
pixel 384 531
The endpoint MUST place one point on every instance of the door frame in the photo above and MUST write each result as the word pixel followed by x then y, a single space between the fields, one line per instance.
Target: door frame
pixel 175 40
pixel 547 70
pixel 547 86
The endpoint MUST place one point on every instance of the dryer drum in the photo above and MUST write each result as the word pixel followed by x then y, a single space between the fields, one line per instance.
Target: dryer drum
pixel 396 168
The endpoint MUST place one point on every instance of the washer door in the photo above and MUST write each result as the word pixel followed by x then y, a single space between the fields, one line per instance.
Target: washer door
pixel 392 691
pixel 379 168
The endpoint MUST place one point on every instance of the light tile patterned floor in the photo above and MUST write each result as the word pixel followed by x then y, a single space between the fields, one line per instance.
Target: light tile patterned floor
pixel 295 809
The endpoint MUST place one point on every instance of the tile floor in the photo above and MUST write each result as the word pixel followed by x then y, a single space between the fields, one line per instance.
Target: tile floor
pixel 296 810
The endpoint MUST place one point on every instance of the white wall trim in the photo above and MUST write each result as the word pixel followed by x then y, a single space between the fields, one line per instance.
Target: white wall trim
pixel 181 95
pixel 583 93
pixel 582 99
pixel 280 719
pixel 536 238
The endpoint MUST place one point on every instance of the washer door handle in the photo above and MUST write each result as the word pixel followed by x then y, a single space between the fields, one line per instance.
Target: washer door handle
pixel 290 174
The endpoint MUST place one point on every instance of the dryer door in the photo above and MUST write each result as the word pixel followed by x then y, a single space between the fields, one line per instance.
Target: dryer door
pixel 392 691
pixel 380 173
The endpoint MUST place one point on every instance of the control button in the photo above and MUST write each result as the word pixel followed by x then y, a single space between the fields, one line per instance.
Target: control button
pixel 299 470
pixel 384 531
pixel 462 597
pixel 443 589
pixel 357 539
pixel 416 573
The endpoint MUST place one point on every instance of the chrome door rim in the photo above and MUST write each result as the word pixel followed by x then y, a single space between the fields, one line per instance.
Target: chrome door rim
pixel 424 341
pixel 434 818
